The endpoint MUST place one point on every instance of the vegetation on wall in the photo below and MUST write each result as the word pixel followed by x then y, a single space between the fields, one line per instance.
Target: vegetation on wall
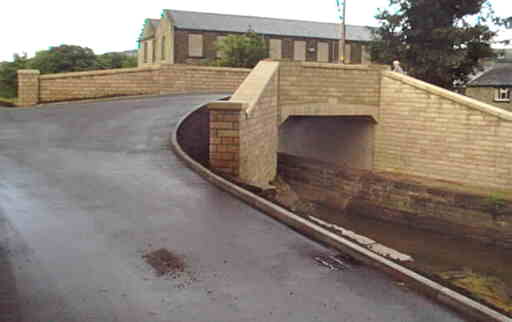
pixel 437 41
pixel 60 59
pixel 241 50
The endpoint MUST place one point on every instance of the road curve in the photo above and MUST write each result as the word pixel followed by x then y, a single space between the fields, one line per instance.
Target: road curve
pixel 87 188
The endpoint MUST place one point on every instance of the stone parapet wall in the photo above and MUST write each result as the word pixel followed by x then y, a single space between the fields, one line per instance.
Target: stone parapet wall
pixel 28 87
pixel 243 131
pixel 428 131
pixel 259 136
pixel 453 209
pixel 110 83
pixel 329 83
pixel 150 80
pixel 214 79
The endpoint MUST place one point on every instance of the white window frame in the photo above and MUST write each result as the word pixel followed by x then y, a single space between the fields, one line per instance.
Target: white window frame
pixel 199 51
pixel 299 50
pixel 502 94
pixel 276 48
pixel 321 47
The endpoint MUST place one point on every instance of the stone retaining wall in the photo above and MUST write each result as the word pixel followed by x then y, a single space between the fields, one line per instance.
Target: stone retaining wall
pixel 467 212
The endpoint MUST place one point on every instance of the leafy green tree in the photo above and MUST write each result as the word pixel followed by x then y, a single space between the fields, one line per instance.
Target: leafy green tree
pixel 116 60
pixel 8 75
pixel 438 41
pixel 241 50
pixel 64 58
pixel 129 62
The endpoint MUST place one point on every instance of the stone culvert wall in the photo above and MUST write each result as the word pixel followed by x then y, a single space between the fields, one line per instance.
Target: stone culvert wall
pixel 415 201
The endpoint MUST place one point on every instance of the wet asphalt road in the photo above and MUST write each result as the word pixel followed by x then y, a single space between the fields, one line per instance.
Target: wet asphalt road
pixel 87 188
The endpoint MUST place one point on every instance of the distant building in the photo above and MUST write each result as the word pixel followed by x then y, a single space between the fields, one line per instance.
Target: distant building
pixel 129 53
pixel 494 86
pixel 185 37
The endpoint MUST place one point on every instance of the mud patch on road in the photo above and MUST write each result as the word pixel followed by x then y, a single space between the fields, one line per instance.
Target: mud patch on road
pixel 165 262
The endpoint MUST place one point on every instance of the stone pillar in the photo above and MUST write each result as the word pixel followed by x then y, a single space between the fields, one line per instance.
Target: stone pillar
pixel 28 87
pixel 225 117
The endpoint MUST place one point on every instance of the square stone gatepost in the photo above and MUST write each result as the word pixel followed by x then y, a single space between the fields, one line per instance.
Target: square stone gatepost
pixel 225 118
pixel 28 87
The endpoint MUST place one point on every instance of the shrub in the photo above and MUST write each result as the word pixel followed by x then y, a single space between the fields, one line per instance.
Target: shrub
pixel 241 50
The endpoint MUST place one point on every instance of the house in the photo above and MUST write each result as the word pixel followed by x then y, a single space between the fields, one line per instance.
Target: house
pixel 495 85
pixel 186 37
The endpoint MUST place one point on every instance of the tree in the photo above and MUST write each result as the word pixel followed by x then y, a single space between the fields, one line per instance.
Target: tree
pixel 438 41
pixel 8 75
pixel 64 58
pixel 116 60
pixel 241 50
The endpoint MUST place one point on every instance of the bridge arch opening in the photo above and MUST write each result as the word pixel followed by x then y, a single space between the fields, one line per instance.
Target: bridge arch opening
pixel 343 140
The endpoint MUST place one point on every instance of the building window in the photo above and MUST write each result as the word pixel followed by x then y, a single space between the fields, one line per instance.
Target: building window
pixel 162 49
pixel 219 39
pixel 276 49
pixel 145 48
pixel 299 50
pixel 195 45
pixel 153 51
pixel 323 52
pixel 502 95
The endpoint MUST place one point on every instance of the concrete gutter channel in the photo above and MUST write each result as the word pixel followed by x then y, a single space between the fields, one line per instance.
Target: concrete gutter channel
pixel 460 303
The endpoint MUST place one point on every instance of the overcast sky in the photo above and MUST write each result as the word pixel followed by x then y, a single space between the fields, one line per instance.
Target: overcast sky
pixel 111 25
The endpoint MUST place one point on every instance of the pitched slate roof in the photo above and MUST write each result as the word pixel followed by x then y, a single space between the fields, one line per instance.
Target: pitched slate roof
pixel 268 26
pixel 499 75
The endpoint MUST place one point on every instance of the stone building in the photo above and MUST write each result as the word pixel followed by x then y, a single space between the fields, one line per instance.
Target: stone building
pixel 185 37
pixel 494 86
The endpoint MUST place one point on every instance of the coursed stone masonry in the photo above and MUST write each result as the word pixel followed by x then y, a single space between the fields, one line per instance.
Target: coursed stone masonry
pixel 243 131
pixel 428 131
pixel 28 87
pixel 420 129
pixel 149 80
pixel 414 201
